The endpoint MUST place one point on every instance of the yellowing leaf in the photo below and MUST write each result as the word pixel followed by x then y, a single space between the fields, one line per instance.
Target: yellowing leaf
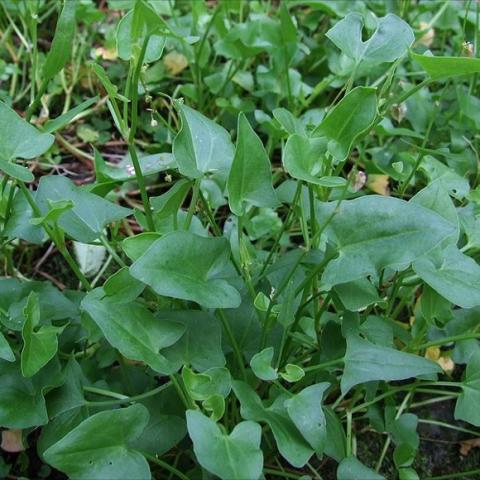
pixel 379 184
pixel 12 441
pixel 432 353
pixel 175 62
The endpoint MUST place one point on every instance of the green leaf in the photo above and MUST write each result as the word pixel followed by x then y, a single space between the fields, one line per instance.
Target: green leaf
pixel 190 267
pixel 446 67
pixel 99 448
pixel 202 146
pixel 352 469
pixel 351 118
pixel 293 373
pixel 171 201
pixel 357 295
pixel 201 344
pixel 231 457
pixel 90 214
pixel 126 43
pixel 21 404
pixel 123 287
pixel 466 408
pixel 61 46
pixel 374 232
pixel 39 345
pixel 366 362
pixel 134 247
pixel 305 410
pixel 6 352
pixel 261 364
pixel 290 442
pixel 304 158
pixel 250 178
pixel 133 330
pixel 19 139
pixel 68 117
pixel 391 39
pixel 452 274
pixel 201 386
pixel 56 209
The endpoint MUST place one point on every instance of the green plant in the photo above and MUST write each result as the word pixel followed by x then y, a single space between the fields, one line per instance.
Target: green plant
pixel 265 305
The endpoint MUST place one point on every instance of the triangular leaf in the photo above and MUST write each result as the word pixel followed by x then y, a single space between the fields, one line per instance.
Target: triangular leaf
pixel 231 457
pixel 250 178
pixel 98 448
pixel 187 266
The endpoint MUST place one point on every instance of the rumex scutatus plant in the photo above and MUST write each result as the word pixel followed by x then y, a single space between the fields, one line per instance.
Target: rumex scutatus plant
pixel 280 272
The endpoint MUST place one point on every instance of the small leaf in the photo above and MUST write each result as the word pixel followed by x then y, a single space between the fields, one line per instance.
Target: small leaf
pixel 304 158
pixel 391 39
pixel 19 139
pixel 351 118
pixel 352 469
pixel 68 117
pixel 365 362
pixel 40 345
pixel 291 444
pixel 61 46
pixel 250 178
pixel 231 457
pixel 99 447
pixel 123 286
pixel 305 410
pixel 90 213
pixel 292 373
pixel 452 274
pixel 261 364
pixel 190 267
pixel 446 67
pixel 202 146
pixel 6 352
pixel 22 404
pixel 133 329
pixel 466 408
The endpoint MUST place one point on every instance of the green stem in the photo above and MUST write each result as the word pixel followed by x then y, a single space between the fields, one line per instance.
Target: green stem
pixel 131 137
pixel 233 342
pixel 322 366
pixel 447 425
pixel 36 101
pixel 443 341
pixel 193 203
pixel 60 245
pixel 118 400
pixel 165 466
pixel 456 475
pixel 112 251
pixel 141 185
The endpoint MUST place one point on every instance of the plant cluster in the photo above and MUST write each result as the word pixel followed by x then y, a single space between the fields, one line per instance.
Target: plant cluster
pixel 239 240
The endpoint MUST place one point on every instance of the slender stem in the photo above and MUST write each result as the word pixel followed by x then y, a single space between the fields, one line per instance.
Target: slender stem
pixel 447 425
pixel 322 366
pixel 60 246
pixel 193 203
pixel 131 136
pixel 125 399
pixel 142 187
pixel 465 474
pixel 443 341
pixel 112 251
pixel 165 466
pixel 36 100
pixel 233 342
